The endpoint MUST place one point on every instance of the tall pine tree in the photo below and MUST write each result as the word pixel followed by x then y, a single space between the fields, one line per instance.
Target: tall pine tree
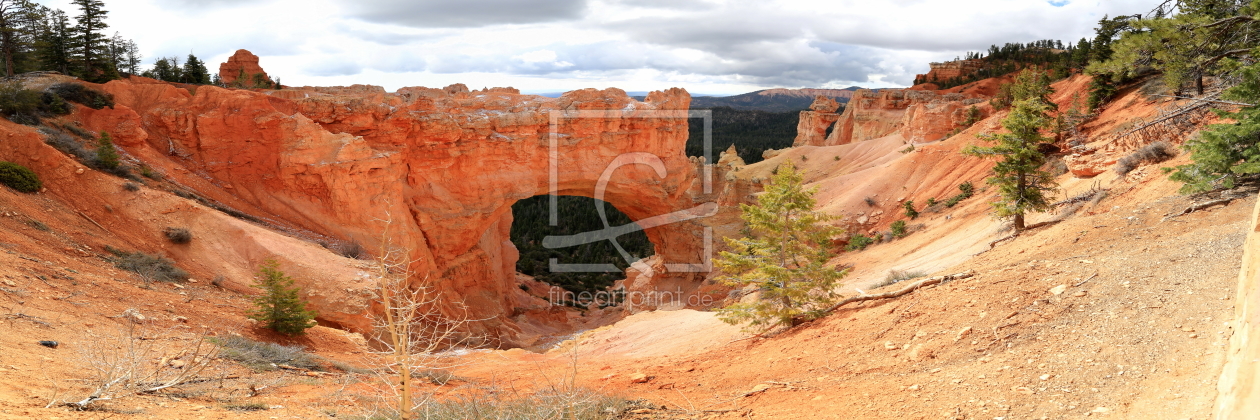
pixel 90 43
pixel 786 259
pixel 18 23
pixel 1022 184
pixel 195 71
pixel 1224 152
pixel 54 44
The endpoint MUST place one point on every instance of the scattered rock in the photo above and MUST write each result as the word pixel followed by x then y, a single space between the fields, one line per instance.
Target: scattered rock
pixel 49 343
pixel 758 388
pixel 639 378
pixel 1079 294
pixel 1101 410
pixel 918 353
pixel 1045 377
pixel 10 283
pixel 134 316
pixel 180 318
pixel 962 333
pixel 1024 390
pixel 1058 290
pixel 914 387
pixel 890 346
pixel 1187 329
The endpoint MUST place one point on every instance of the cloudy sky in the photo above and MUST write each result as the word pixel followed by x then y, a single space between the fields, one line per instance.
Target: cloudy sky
pixel 706 46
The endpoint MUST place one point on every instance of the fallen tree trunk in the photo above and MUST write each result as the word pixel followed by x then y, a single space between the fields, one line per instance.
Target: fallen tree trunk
pixel 917 285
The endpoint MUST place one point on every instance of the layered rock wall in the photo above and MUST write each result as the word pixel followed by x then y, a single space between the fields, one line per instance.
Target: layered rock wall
pixel 811 128
pixel 949 70
pixel 920 116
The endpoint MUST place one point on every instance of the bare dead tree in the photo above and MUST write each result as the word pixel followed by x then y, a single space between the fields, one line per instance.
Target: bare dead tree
pixel 416 327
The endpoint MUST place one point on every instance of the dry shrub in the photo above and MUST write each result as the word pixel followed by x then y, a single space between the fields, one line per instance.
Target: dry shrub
pixel 177 235
pixel 149 267
pixel 262 357
pixel 134 360
pixel 1152 153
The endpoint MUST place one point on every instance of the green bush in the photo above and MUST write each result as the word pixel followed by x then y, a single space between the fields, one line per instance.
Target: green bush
pixel 78 93
pixel 25 106
pixel 966 191
pixel 280 307
pixel 19 177
pixel 899 229
pixel 858 242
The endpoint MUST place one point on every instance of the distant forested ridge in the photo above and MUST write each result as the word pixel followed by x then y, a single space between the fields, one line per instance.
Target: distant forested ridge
pixel 772 100
pixel 576 215
pixel 752 132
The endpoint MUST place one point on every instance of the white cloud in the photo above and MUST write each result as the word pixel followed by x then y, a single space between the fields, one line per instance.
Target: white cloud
pixel 708 46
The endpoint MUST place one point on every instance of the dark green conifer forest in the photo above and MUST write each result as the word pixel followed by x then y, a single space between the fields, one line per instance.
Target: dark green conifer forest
pixel 576 215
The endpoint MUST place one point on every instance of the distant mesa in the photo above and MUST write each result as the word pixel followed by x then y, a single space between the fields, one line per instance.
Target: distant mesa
pixel 242 63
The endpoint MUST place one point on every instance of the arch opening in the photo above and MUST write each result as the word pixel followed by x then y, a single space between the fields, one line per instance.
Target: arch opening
pixel 575 214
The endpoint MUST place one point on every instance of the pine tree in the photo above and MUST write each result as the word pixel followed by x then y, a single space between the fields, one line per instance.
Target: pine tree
pixel 53 45
pixel 131 58
pixel 1224 152
pixel 910 211
pixel 89 41
pixel 786 258
pixel 280 307
pixel 1022 185
pixel 195 71
pixel 106 156
pixel 18 21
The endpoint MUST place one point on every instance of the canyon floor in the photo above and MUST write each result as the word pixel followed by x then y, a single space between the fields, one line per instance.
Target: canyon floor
pixel 1138 333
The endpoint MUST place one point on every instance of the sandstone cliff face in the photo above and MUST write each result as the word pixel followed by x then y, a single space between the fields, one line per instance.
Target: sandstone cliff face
pixel 444 165
pixel 949 70
pixel 920 116
pixel 242 62
pixel 811 129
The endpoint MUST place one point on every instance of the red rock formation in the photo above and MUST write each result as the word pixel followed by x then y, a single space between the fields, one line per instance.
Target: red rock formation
pixel 243 62
pixel 445 165
pixel 920 116
pixel 811 129
pixel 948 70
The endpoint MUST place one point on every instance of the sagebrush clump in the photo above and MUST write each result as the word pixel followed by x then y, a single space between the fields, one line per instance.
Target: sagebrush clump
pixel 150 267
pixel 177 235
pixel 1152 153
pixel 261 356
pixel 19 178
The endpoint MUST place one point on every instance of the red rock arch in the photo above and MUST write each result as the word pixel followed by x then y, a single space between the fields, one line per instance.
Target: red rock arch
pixel 445 164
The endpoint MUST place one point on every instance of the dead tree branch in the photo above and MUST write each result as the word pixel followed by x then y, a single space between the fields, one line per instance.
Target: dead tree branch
pixel 916 286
